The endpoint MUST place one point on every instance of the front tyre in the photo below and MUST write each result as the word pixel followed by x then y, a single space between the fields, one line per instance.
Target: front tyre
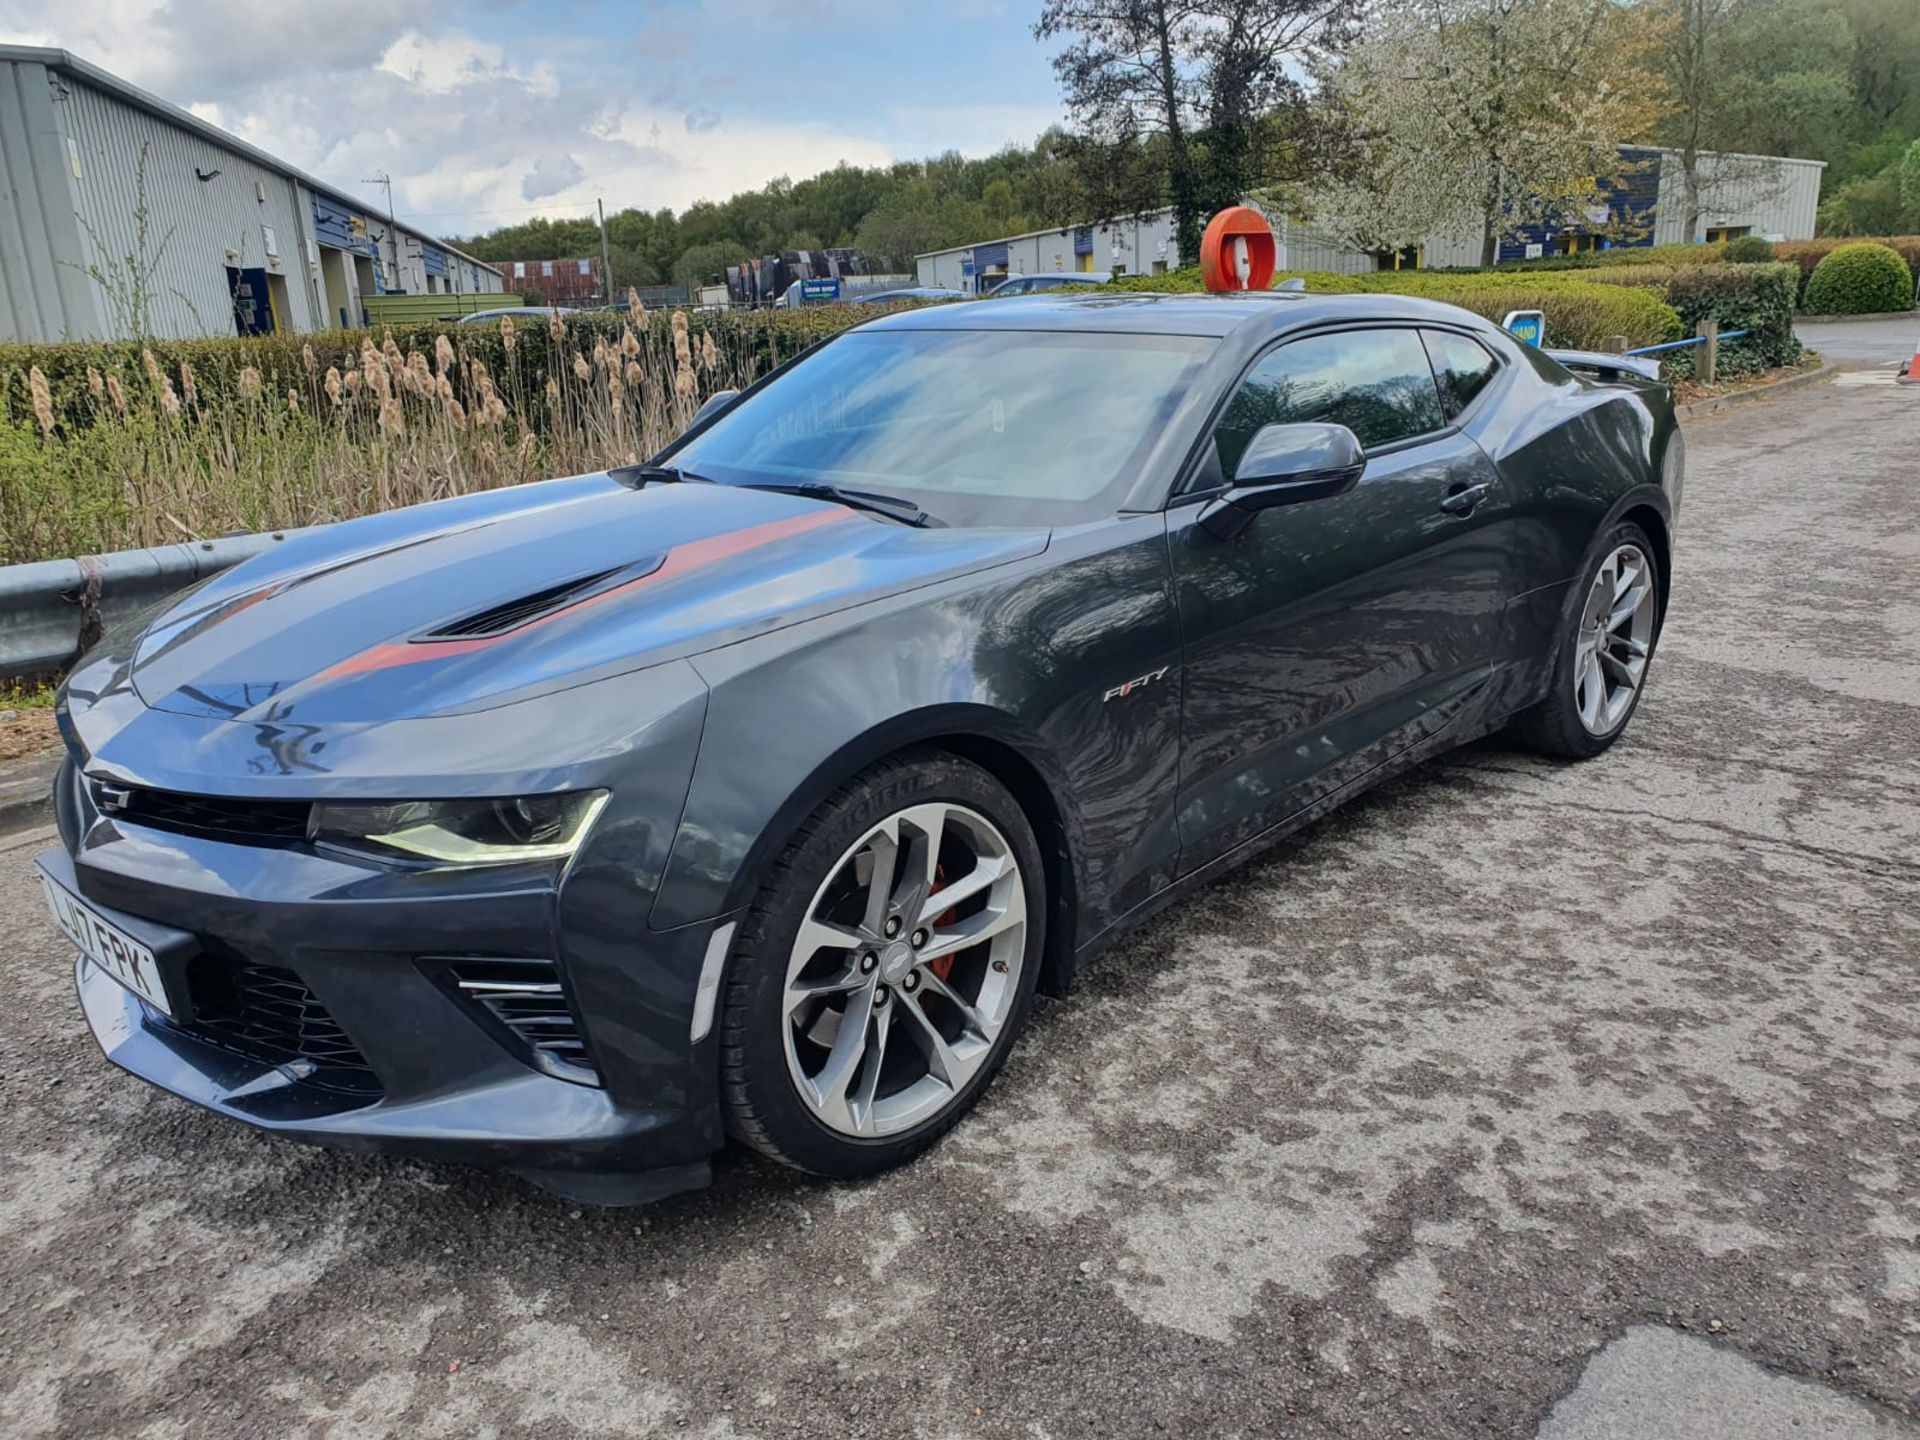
pixel 886 966
pixel 1600 667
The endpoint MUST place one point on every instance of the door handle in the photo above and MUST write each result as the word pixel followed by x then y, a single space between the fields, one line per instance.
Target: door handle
pixel 1463 500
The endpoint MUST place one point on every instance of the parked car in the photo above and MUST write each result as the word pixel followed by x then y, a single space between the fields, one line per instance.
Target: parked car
pixel 522 312
pixel 1043 284
pixel 754 791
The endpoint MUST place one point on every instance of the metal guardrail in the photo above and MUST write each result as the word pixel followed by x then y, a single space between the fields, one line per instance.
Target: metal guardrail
pixel 1684 344
pixel 52 610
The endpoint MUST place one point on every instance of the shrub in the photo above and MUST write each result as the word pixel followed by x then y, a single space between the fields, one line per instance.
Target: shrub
pixel 1580 315
pixel 1808 254
pixel 1860 279
pixel 1748 250
pixel 1755 298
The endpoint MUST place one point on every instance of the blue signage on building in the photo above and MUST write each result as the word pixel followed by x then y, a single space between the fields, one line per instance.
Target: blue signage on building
pixel 812 290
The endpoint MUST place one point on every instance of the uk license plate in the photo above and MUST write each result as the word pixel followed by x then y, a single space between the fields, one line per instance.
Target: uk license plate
pixel 115 951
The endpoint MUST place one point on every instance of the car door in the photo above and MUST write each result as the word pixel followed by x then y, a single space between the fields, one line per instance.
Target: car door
pixel 1330 634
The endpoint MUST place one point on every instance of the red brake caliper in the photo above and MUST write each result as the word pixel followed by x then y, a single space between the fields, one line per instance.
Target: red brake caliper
pixel 943 967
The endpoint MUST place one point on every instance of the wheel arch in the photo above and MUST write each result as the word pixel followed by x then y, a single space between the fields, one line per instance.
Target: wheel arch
pixel 1653 520
pixel 984 737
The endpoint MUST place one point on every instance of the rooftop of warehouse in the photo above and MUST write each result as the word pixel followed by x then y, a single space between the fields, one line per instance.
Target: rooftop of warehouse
pixel 67 63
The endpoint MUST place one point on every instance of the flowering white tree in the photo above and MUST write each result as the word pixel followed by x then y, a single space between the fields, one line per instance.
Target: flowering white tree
pixel 1218 83
pixel 1475 118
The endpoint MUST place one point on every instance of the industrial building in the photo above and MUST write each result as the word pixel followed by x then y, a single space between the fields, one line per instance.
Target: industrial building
pixel 127 214
pixel 1767 195
pixel 555 282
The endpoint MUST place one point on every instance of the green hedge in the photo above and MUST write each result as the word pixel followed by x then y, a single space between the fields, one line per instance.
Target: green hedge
pixel 1621 256
pixel 1580 314
pixel 1652 277
pixel 1748 250
pixel 1808 254
pixel 1755 298
pixel 1859 279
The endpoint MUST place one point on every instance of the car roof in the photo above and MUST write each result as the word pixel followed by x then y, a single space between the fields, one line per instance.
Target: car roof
pixel 1143 312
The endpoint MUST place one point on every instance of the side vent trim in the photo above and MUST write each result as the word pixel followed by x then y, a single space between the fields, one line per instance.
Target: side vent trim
pixel 526 1007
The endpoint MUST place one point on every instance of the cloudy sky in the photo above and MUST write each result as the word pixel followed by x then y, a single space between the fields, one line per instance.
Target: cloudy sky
pixel 494 110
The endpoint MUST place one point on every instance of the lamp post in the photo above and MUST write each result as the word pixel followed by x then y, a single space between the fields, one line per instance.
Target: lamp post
pixel 393 226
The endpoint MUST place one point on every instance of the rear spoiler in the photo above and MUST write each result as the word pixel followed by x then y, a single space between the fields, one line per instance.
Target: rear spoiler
pixel 1608 367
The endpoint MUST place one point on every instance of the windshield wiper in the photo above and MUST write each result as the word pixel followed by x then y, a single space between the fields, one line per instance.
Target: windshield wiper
pixel 891 506
pixel 638 475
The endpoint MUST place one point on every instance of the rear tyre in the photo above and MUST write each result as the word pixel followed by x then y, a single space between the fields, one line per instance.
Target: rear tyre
pixel 1600 667
pixel 883 971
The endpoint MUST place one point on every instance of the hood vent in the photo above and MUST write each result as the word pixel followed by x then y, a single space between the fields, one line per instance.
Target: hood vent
pixel 510 615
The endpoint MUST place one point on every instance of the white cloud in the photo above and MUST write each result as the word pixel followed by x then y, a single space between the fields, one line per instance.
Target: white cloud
pixel 477 133
pixel 919 130
pixel 551 173
pixel 712 163
pixel 443 64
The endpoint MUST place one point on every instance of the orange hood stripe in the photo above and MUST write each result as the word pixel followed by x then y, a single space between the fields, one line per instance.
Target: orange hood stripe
pixel 680 560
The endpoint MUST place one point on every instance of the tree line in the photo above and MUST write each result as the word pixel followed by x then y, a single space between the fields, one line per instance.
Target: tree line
pixel 1379 121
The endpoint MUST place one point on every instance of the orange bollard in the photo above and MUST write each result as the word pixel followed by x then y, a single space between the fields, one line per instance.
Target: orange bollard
pixel 1911 375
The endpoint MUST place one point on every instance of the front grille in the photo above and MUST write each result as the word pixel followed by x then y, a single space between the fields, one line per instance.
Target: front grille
pixel 525 1002
pixel 212 817
pixel 268 1014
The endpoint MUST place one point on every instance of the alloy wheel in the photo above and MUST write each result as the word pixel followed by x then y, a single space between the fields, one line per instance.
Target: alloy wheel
pixel 1614 641
pixel 905 970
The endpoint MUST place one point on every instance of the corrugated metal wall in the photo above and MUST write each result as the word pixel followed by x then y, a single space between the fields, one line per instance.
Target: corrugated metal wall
pixel 1770 195
pixel 1137 245
pixel 1303 248
pixel 39 298
pixel 192 223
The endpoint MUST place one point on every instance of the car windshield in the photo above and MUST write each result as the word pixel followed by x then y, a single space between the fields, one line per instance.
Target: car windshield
pixel 977 427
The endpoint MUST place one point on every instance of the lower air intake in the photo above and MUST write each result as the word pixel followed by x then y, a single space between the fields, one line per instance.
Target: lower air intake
pixel 268 1014
pixel 525 1002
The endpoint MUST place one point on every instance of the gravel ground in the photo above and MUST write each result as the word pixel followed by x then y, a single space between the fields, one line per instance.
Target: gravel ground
pixel 1391 1133
pixel 26 731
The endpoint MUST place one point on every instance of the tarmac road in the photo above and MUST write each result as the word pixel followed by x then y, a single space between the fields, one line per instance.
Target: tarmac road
pixel 1517 1098
pixel 1886 341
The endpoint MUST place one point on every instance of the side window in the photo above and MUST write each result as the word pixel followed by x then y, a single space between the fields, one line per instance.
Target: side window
pixel 1377 383
pixel 1462 366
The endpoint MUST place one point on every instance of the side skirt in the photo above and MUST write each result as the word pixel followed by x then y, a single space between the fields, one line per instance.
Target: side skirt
pixel 1465 732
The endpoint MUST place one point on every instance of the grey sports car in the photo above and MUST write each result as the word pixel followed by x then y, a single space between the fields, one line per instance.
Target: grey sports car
pixel 755 791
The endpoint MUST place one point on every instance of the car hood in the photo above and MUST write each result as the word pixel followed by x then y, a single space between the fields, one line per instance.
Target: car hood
pixel 483 601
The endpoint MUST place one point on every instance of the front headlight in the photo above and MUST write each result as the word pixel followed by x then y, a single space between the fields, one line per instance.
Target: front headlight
pixel 461 832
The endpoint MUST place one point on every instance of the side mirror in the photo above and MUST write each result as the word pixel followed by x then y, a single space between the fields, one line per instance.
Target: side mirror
pixel 1285 465
pixel 713 405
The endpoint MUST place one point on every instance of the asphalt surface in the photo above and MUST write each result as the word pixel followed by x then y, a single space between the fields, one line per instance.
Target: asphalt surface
pixel 1514 1096
pixel 1883 341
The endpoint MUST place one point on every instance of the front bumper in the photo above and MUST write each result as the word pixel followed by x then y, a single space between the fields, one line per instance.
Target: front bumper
pixel 319 1004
